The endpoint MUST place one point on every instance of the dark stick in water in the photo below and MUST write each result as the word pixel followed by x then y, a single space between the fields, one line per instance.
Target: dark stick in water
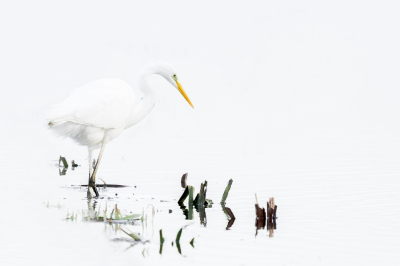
pixel 183 180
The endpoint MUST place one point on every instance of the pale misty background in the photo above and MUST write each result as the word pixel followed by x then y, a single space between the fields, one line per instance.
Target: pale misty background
pixel 279 88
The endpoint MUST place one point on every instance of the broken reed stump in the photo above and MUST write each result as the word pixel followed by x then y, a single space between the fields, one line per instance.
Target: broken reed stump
pixel 162 239
pixel 74 164
pixel 183 180
pixel 201 197
pixel 226 192
pixel 271 209
pixel 191 193
pixel 64 161
pixel 190 211
pixel 266 218
pixel 184 195
pixel 200 200
pixel 260 217
pixel 105 185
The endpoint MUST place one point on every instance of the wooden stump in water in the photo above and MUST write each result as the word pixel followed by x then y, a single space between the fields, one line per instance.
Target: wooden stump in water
pixel 183 180
pixel 260 217
pixel 201 199
pixel 271 209
pixel 184 195
pixel 64 161
pixel 191 193
pixel 266 218
pixel 74 164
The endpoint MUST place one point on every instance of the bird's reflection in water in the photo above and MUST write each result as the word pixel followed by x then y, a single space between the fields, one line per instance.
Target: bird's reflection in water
pixel 93 215
pixel 91 208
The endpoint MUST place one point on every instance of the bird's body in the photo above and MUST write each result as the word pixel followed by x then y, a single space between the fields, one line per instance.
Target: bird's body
pixel 97 112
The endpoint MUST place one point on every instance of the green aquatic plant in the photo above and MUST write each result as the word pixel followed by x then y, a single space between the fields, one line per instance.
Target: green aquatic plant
pixel 226 192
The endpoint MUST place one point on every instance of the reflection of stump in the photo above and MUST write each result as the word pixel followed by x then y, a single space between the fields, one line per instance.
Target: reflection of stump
pixel 185 210
pixel 203 217
pixel 229 214
pixel 271 226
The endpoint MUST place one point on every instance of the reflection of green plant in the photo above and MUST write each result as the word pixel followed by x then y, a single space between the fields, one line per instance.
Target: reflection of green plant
pixel 117 215
pixel 131 235
pixel 99 214
pixel 49 205
pixel 129 217
pixel 72 217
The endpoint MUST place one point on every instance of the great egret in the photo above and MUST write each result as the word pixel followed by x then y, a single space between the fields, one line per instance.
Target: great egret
pixel 97 112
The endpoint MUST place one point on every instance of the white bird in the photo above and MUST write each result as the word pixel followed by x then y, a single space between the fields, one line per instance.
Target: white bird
pixel 98 111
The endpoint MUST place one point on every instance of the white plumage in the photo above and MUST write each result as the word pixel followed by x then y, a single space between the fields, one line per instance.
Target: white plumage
pixel 97 112
pixel 94 111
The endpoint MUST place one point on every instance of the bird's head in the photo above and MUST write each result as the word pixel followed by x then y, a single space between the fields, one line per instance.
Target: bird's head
pixel 168 72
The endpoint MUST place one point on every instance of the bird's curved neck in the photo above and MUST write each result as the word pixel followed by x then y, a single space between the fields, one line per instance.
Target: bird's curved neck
pixel 145 104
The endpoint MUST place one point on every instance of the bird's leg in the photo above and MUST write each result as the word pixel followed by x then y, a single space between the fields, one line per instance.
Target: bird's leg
pixel 90 193
pixel 91 161
pixel 92 190
pixel 92 178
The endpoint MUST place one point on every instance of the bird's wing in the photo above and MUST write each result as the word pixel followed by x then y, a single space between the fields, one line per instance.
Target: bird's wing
pixel 105 103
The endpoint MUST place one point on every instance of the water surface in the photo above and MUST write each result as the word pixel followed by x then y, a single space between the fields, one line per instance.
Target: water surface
pixel 337 197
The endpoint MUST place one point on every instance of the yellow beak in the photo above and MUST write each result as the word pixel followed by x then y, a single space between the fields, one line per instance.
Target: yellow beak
pixel 183 93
